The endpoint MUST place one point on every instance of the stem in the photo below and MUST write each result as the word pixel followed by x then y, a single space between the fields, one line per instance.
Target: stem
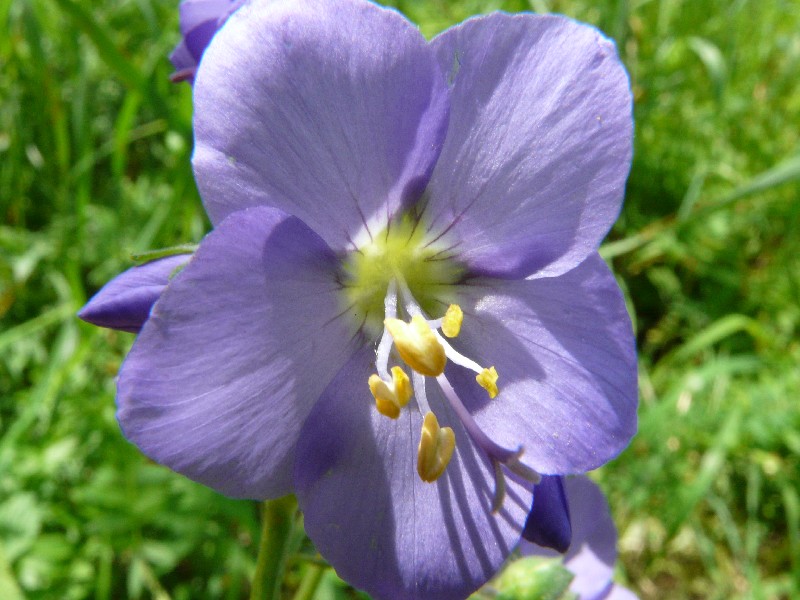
pixel 151 255
pixel 311 579
pixel 277 525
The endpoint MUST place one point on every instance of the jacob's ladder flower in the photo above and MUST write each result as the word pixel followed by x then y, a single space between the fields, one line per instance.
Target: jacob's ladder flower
pixel 400 314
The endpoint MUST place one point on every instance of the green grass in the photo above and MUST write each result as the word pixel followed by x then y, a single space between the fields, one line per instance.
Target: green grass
pixel 94 166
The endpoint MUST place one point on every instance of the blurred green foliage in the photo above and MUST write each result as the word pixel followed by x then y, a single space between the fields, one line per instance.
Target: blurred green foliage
pixel 94 165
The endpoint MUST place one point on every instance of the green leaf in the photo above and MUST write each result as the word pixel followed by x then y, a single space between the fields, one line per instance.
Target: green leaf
pixel 8 584
pixel 710 467
pixel 713 61
pixel 718 331
pixel 784 172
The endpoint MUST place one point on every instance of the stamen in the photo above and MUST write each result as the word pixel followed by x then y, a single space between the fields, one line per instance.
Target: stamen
pixel 451 322
pixel 424 349
pixel 385 345
pixel 390 399
pixel 411 306
pixel 488 380
pixel 418 345
pixel 435 450
pixel 419 392
pixel 459 358
pixel 450 325
pixel 496 453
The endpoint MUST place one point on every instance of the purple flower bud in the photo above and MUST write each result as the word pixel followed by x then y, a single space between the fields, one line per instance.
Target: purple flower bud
pixel 199 21
pixel 124 303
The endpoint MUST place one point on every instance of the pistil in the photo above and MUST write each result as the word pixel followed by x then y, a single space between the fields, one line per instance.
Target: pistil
pixel 497 454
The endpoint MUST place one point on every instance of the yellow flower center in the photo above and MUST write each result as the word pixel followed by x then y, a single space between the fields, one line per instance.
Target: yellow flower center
pixel 401 252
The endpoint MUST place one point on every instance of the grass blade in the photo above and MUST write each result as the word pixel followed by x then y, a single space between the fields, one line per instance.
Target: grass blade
pixel 108 51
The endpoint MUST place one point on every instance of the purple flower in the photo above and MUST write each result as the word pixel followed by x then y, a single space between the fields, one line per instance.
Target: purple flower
pixel 400 314
pixel 199 21
pixel 593 551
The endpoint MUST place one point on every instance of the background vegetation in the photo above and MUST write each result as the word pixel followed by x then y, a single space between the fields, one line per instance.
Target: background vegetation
pixel 94 164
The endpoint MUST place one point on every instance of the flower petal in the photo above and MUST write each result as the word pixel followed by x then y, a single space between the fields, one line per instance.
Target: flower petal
pixel 565 353
pixel 533 169
pixel 548 523
pixel 331 110
pixel 124 303
pixel 235 353
pixel 198 38
pixel 371 516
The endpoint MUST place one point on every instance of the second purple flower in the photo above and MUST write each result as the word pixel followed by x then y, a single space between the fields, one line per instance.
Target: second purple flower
pixel 199 22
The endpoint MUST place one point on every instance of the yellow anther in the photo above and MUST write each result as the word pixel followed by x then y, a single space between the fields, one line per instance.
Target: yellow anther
pixel 417 345
pixel 488 380
pixel 451 322
pixel 435 449
pixel 390 399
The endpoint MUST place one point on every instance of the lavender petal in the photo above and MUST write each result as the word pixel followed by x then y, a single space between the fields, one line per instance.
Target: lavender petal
pixel 235 353
pixel 565 353
pixel 539 145
pixel 375 521
pixel 305 105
